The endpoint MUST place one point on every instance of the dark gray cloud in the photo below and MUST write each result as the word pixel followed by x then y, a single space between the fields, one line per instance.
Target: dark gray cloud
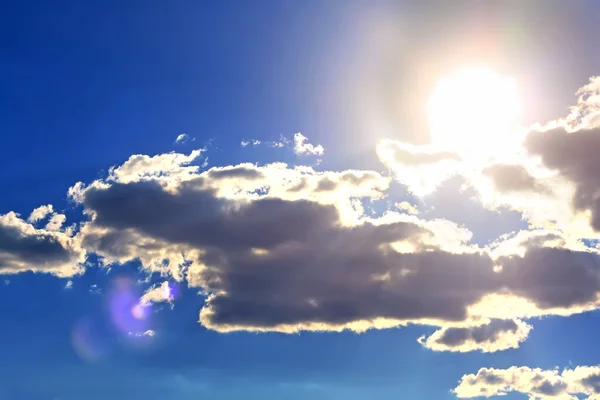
pixel 25 248
pixel 478 334
pixel 196 217
pixel 513 178
pixel 495 335
pixel 275 264
pixel 575 156
pixel 235 172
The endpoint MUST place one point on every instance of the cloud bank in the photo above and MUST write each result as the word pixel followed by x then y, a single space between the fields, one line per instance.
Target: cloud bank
pixel 286 248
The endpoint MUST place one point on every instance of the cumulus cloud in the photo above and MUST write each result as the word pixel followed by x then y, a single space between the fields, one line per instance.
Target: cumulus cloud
pixel 570 384
pixel 279 248
pixel 407 207
pixel 575 156
pixel 495 335
pixel 303 147
pixel 24 247
pixel 547 174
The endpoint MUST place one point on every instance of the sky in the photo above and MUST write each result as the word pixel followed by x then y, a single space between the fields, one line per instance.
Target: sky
pixel 299 199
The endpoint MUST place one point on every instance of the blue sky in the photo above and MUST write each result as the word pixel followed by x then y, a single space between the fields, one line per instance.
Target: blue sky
pixel 310 236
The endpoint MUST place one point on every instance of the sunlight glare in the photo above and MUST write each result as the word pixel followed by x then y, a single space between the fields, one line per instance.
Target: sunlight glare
pixel 473 112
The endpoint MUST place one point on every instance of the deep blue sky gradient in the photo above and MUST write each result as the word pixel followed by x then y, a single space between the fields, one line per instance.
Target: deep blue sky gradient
pixel 85 85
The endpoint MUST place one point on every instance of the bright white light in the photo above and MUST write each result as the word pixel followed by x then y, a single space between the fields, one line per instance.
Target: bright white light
pixel 474 113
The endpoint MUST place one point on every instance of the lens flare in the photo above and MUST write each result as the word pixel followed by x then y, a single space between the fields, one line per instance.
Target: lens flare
pixel 141 311
pixel 90 340
pixel 126 312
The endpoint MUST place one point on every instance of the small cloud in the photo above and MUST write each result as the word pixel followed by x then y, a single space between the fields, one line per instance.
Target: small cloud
pixel 40 213
pixel 184 138
pixel 56 222
pixel 6 282
pixel 253 142
pixel 408 208
pixel 282 142
pixel 148 333
pixel 157 294
pixel 303 147
pixel 69 285
pixel 95 289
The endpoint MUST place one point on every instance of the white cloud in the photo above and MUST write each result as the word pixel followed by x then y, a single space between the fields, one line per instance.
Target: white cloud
pixel 253 142
pixel 421 168
pixel 533 382
pixel 56 222
pixel 40 213
pixel 183 138
pixel 407 207
pixel 157 294
pixel 149 333
pixel 69 284
pixel 94 289
pixel 303 147
pixel 282 142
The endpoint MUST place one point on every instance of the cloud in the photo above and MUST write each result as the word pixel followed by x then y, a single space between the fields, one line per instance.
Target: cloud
pixel 284 249
pixel 165 166
pixel 533 382
pixel 253 142
pixel 282 142
pixel 409 208
pixel 495 335
pixel 183 138
pixel 149 333
pixel 575 156
pixel 421 168
pixel 547 173
pixel 56 222
pixel 512 178
pixel 303 147
pixel 26 248
pixel 157 294
pixel 40 213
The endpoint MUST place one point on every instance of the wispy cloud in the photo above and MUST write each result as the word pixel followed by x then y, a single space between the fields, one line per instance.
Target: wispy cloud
pixel 184 138
pixel 253 142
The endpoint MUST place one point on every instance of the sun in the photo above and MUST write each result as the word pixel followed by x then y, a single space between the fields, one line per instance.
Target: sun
pixel 473 112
